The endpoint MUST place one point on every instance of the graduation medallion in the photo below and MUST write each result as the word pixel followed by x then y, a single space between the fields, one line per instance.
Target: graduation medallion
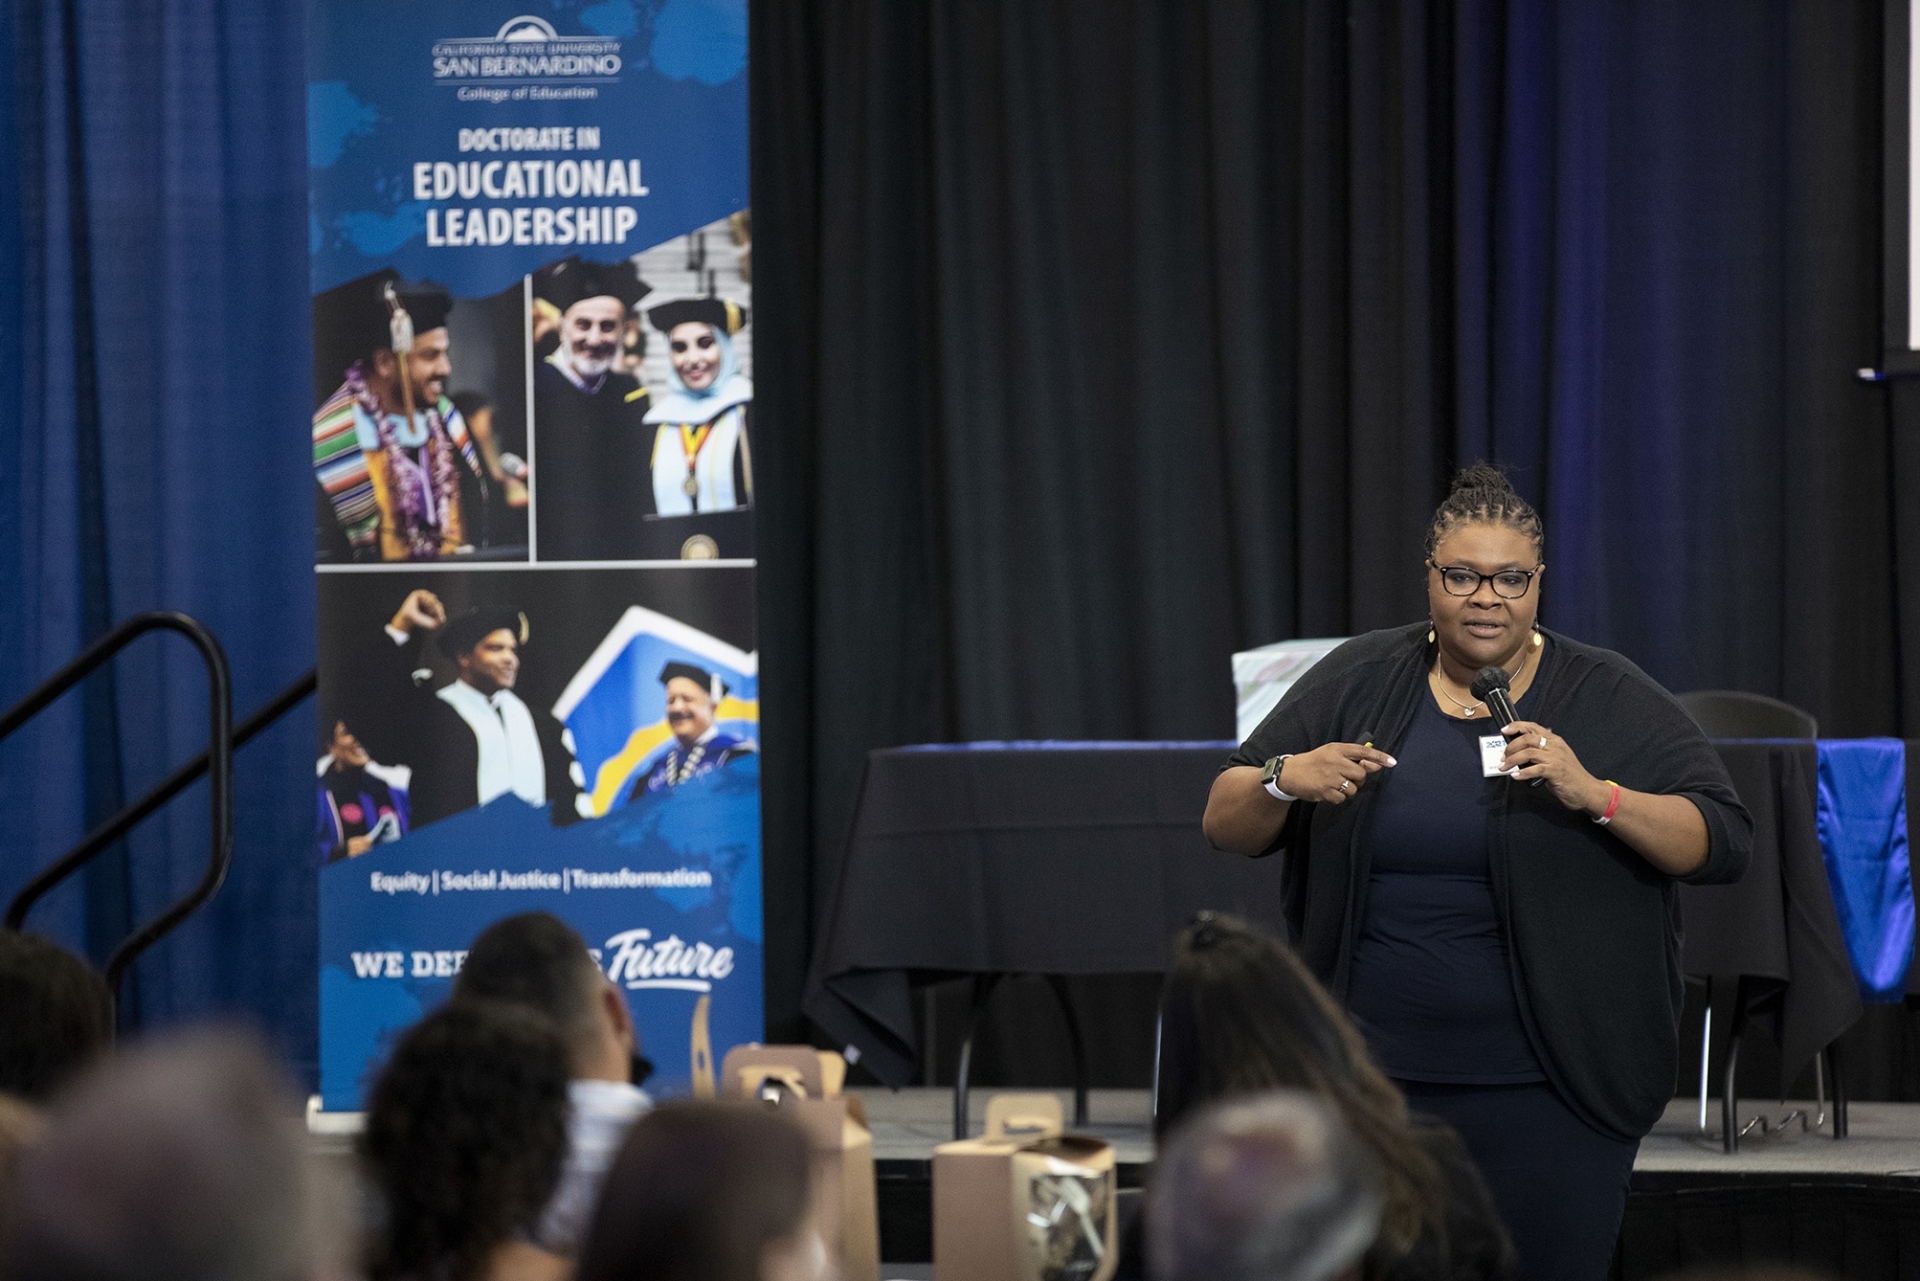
pixel 692 441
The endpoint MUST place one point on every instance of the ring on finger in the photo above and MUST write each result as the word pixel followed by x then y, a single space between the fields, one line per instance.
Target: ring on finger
pixel 1543 740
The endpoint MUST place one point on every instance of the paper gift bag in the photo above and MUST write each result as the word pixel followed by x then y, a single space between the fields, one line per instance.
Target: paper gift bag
pixel 814 1074
pixel 805 1083
pixel 1024 1202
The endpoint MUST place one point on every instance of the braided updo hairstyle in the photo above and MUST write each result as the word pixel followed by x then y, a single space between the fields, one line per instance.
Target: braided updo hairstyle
pixel 1482 494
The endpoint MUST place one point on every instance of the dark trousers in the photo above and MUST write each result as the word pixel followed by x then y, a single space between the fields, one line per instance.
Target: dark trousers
pixel 1560 1184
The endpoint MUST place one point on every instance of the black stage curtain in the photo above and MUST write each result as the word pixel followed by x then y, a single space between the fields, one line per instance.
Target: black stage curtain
pixel 1101 338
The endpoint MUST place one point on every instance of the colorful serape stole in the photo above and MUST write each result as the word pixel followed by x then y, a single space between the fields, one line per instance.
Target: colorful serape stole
pixel 341 465
pixel 457 430
pixel 341 468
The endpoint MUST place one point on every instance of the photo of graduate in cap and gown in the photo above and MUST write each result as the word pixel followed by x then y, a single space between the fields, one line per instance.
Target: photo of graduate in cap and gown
pixel 700 747
pixel 474 739
pixel 391 455
pixel 702 461
pixel 362 802
pixel 591 440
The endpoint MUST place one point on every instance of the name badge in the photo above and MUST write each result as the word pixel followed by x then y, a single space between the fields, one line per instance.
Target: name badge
pixel 1493 749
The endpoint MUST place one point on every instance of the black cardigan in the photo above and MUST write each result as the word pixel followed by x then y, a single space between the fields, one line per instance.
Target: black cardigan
pixel 1593 928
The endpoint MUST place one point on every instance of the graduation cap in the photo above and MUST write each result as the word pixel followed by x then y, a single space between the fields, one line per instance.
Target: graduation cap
pixel 351 320
pixel 463 633
pixel 715 687
pixel 726 316
pixel 569 280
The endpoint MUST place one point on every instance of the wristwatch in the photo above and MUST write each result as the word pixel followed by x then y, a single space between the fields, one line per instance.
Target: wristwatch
pixel 1270 779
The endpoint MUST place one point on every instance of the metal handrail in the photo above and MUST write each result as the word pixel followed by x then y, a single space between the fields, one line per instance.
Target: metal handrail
pixel 217 763
pixel 168 788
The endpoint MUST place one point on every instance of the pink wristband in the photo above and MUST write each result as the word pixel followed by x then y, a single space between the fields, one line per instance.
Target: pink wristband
pixel 1613 804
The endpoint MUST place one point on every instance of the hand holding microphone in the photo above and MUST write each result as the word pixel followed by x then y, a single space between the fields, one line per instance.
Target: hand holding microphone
pixel 1535 753
pixel 1490 687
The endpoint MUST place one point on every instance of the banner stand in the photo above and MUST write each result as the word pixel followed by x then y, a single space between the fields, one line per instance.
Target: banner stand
pixel 533 512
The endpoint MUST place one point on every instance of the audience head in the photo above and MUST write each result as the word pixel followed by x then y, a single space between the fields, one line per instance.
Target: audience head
pixel 1272 1187
pixel 538 961
pixel 1241 1014
pixel 21 1125
pixel 466 1133
pixel 182 1160
pixel 707 1192
pixel 55 1015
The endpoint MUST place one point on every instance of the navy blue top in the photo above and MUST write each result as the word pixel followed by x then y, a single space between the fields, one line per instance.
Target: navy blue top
pixel 1430 986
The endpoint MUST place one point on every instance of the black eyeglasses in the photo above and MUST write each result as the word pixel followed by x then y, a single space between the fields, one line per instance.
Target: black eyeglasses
pixel 1509 584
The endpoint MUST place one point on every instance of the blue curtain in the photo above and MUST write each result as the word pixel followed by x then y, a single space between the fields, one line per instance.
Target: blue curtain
pixel 1666 222
pixel 153 387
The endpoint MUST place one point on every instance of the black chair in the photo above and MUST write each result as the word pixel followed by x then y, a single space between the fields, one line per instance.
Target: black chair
pixel 1732 713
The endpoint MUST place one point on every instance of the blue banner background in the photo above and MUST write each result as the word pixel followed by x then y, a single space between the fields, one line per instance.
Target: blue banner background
pixel 657 83
pixel 708 825
pixel 678 104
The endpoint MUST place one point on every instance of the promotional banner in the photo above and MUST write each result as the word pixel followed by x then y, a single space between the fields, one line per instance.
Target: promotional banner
pixel 533 508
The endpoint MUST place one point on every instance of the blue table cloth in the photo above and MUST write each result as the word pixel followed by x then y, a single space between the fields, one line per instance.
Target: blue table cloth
pixel 1862 813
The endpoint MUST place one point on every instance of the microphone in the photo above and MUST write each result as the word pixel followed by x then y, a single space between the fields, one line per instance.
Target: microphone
pixel 1490 687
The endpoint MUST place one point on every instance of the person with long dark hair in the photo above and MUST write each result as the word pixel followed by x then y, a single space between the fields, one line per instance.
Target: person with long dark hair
pixel 465 1140
pixel 1241 1015
pixel 1491 897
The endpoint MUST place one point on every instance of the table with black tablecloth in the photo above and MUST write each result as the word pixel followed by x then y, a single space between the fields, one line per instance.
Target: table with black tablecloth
pixel 1017 858
pixel 1077 858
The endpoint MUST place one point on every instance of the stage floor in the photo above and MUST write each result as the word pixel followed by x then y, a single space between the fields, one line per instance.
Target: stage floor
pixel 1883 1141
pixel 1883 1138
pixel 908 1124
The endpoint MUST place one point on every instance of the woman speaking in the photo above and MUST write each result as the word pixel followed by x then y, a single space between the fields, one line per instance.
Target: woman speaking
pixel 1493 902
